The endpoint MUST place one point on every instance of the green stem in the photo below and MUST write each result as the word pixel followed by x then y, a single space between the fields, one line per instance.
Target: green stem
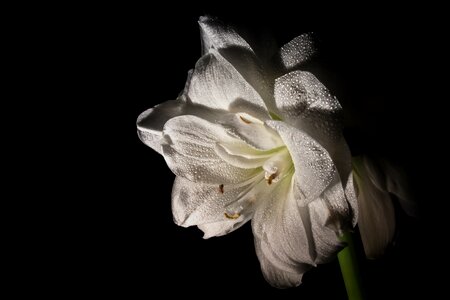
pixel 349 268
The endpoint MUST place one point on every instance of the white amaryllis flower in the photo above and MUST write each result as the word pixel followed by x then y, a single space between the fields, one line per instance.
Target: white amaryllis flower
pixel 252 138
pixel 376 182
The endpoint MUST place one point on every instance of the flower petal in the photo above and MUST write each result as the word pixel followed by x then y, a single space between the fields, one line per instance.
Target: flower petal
pixel 217 84
pixel 215 34
pixel 340 153
pixel 150 123
pixel 388 177
pixel 376 214
pixel 340 211
pixel 306 103
pixel 289 237
pixel 314 168
pixel 326 241
pixel 341 156
pixel 251 130
pixel 244 159
pixel 219 37
pixel 281 228
pixel 298 51
pixel 352 199
pixel 277 277
pixel 221 227
pixel 206 205
pixel 189 150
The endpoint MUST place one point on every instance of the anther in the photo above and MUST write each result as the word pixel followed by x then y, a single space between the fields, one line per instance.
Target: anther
pixel 245 120
pixel 233 216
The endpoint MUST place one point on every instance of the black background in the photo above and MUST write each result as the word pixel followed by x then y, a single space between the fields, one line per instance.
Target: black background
pixel 122 240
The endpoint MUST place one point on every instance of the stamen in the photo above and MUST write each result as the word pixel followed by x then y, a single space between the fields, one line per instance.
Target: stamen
pixel 245 120
pixel 270 178
pixel 221 188
pixel 233 216
pixel 277 166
